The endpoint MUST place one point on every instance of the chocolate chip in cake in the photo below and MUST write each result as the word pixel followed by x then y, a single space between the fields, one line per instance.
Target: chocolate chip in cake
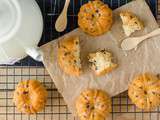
pixel 87 106
pixel 66 53
pixel 103 51
pixel 93 115
pixel 97 11
pixel 92 15
pixel 153 93
pixel 145 92
pixel 25 92
pixel 64 47
pixel 27 85
pixel 77 42
pixel 131 17
pixel 158 76
pixel 102 106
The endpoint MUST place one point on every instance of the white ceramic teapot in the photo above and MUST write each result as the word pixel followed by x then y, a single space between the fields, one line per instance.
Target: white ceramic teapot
pixel 21 26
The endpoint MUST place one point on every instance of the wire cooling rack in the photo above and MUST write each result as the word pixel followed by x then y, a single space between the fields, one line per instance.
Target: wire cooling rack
pixel 56 109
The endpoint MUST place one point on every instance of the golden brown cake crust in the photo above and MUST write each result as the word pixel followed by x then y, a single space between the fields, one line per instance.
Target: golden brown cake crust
pixel 93 104
pixel 30 96
pixel 69 55
pixel 144 91
pixel 95 18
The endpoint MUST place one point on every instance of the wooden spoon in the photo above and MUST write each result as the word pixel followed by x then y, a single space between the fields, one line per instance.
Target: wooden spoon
pixel 132 42
pixel 61 22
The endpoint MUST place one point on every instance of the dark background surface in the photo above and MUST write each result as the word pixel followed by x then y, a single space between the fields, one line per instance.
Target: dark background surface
pixel 51 9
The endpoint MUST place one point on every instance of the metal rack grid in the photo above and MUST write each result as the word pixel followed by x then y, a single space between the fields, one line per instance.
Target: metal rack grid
pixel 56 109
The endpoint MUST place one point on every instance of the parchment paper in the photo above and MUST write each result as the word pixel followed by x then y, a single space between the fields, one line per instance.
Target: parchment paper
pixel 144 59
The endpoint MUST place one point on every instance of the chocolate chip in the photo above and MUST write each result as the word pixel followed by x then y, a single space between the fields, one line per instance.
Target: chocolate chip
pixel 93 115
pixel 92 15
pixel 153 93
pixel 145 92
pixel 85 98
pixel 102 50
pixel 87 18
pixel 102 106
pixel 92 24
pixel 158 75
pixel 87 106
pixel 75 61
pixel 25 92
pixel 27 86
pixel 97 11
pixel 135 22
pixel 66 53
pixel 92 108
pixel 85 116
pixel 77 42
pixel 131 17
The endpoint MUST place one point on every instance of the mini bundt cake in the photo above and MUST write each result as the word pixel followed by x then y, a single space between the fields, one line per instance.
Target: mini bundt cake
pixel 101 62
pixel 93 104
pixel 131 23
pixel 144 91
pixel 69 55
pixel 95 18
pixel 30 96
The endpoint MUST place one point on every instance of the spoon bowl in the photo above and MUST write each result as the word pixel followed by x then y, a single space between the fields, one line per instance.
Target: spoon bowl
pixel 132 42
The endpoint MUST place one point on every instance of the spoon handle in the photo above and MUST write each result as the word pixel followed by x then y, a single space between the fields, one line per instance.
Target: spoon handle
pixel 61 22
pixel 151 34
pixel 66 6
